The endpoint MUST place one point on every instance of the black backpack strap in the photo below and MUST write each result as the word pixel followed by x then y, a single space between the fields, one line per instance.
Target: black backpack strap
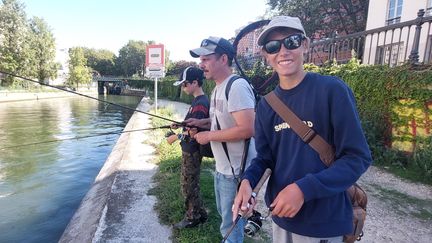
pixel 225 147
pixel 224 144
pixel 229 84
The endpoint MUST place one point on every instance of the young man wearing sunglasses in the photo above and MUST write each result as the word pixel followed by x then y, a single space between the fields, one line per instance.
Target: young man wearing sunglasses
pixel 191 81
pixel 307 199
pixel 231 122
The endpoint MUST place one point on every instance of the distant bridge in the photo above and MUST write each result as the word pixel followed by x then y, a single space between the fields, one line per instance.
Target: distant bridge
pixel 116 86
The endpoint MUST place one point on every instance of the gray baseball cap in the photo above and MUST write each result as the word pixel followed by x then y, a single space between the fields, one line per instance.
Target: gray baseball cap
pixel 214 45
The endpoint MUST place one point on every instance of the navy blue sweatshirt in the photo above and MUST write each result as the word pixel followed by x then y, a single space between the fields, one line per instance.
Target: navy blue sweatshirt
pixel 327 105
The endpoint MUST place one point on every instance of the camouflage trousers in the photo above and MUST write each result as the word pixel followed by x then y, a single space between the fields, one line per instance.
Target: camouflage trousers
pixel 190 185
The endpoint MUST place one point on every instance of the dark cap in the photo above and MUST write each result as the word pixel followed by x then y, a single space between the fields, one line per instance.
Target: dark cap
pixel 214 45
pixel 190 74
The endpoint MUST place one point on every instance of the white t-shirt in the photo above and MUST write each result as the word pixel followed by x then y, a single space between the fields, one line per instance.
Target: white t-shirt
pixel 240 97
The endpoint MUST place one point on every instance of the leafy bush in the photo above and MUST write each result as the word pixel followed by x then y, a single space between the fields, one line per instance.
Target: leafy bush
pixel 423 155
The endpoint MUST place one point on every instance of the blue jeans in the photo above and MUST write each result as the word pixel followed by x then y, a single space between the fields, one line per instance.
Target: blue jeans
pixel 225 191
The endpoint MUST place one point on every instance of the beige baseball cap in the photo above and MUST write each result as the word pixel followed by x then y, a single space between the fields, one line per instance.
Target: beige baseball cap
pixel 280 21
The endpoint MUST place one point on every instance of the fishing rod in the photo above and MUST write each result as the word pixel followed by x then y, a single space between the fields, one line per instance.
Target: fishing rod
pixel 81 137
pixel 255 191
pixel 93 98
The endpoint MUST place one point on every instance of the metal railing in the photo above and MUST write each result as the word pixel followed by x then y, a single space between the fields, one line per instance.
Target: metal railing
pixel 390 45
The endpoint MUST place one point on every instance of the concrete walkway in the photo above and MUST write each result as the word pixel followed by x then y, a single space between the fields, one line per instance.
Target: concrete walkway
pixel 118 208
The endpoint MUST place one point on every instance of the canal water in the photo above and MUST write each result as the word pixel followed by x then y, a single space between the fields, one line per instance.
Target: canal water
pixel 44 171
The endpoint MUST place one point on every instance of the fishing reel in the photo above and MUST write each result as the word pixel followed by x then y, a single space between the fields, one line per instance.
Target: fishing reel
pixel 169 133
pixel 254 223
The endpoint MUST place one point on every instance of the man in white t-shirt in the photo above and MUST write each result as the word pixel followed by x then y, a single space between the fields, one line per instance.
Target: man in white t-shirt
pixel 231 122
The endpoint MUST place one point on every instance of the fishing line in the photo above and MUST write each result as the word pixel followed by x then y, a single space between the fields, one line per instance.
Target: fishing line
pixel 81 137
pixel 93 98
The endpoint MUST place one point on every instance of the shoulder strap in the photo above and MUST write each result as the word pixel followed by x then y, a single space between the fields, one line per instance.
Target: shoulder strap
pixel 229 84
pixel 224 144
pixel 307 134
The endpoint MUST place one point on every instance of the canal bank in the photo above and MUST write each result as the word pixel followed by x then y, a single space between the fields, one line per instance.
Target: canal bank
pixel 117 207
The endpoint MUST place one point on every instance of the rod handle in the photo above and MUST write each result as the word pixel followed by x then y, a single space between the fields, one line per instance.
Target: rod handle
pixel 264 177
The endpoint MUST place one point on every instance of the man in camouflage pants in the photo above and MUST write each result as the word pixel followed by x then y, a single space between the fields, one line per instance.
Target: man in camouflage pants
pixel 191 81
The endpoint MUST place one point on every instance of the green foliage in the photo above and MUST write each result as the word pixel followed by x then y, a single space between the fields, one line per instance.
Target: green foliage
pixel 42 65
pixel 13 39
pixel 258 75
pixel 101 61
pixel 388 100
pixel 131 58
pixel 423 156
pixel 27 48
pixel 79 73
pixel 176 68
pixel 325 17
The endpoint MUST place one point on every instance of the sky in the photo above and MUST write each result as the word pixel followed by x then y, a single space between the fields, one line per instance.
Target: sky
pixel 180 25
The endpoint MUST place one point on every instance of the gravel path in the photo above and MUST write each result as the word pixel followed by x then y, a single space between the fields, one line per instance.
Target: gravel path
pixel 398 211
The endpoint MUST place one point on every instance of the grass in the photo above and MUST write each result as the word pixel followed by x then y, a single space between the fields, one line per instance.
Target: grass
pixel 170 203
pixel 410 172
pixel 405 204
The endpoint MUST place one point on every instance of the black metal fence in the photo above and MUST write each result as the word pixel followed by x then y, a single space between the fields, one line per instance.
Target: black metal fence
pixel 392 45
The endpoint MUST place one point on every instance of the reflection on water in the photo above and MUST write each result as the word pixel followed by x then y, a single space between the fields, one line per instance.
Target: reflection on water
pixel 42 185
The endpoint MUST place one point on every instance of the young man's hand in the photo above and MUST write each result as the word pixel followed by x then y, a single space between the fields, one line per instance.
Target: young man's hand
pixel 174 125
pixel 243 202
pixel 202 123
pixel 288 201
pixel 192 132
pixel 202 137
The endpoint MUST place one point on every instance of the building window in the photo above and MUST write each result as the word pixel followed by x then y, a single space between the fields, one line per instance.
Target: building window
pixel 390 54
pixel 394 11
pixel 429 8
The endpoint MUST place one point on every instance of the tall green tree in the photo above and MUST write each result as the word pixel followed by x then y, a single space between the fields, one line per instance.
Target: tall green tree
pixel 13 44
pixel 42 61
pixel 325 17
pixel 79 73
pixel 131 59
pixel 176 68
pixel 102 61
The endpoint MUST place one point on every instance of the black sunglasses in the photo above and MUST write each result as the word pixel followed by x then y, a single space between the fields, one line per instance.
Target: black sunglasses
pixel 290 42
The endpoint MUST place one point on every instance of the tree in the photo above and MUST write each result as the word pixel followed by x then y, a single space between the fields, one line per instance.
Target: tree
pixel 42 65
pixel 102 61
pixel 79 73
pixel 176 68
pixel 131 58
pixel 13 33
pixel 324 18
